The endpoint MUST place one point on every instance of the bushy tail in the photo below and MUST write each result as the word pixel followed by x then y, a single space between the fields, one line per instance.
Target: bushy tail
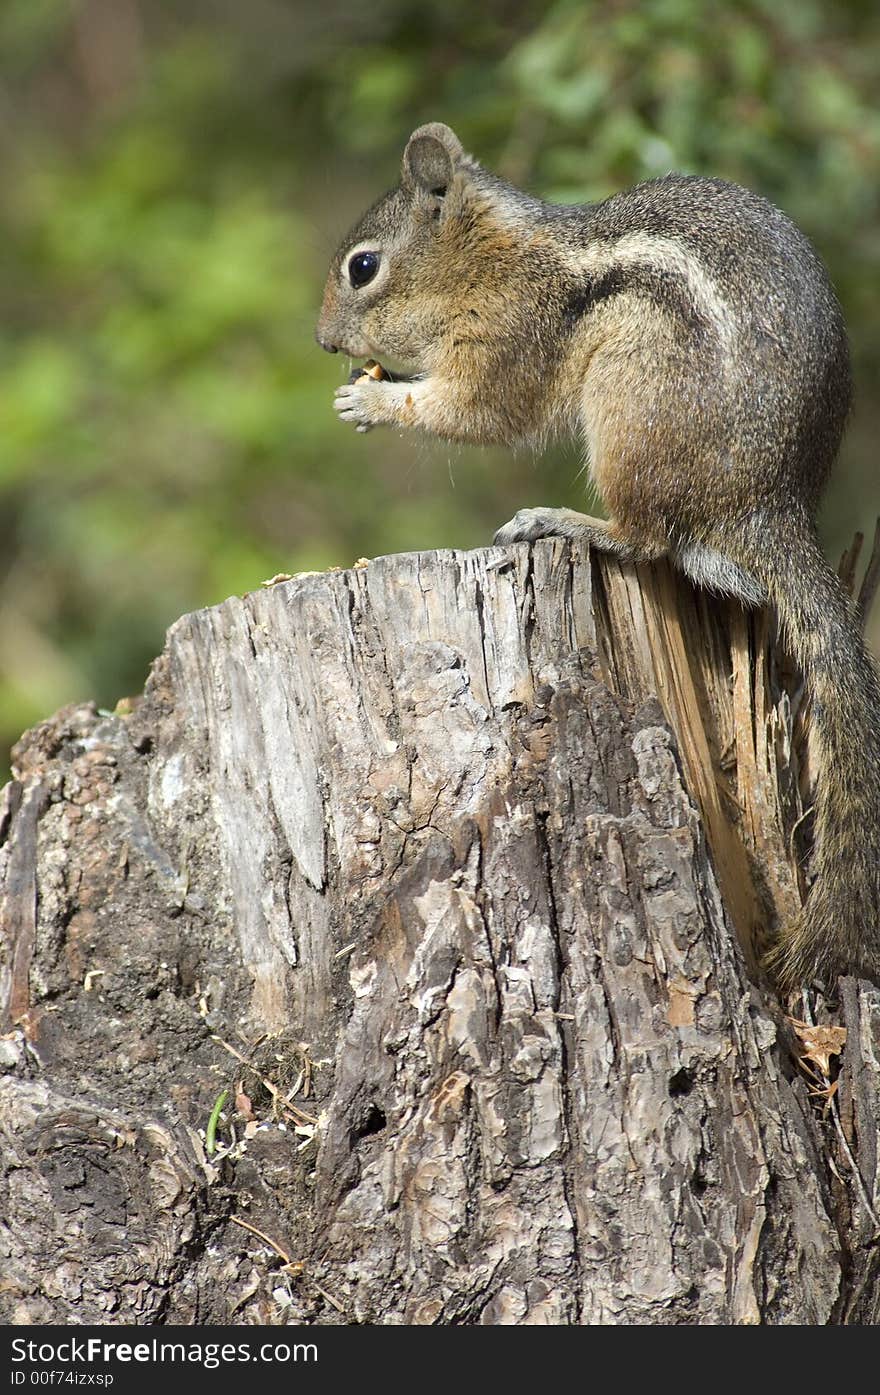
pixel 838 930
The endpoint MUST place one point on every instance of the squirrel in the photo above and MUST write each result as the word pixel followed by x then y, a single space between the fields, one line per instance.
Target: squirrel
pixel 688 331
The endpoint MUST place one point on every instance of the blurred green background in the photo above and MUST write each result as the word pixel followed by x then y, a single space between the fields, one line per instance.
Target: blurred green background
pixel 175 178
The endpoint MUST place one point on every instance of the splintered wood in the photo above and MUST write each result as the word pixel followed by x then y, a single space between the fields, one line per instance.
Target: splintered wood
pixel 711 667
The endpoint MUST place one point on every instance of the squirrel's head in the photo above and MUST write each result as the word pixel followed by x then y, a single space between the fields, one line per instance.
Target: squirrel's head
pixel 395 276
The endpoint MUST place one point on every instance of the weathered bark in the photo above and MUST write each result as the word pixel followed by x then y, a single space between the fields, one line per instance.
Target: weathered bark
pixel 446 854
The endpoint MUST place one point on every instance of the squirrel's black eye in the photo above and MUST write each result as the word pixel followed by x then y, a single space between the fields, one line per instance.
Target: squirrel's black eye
pixel 362 268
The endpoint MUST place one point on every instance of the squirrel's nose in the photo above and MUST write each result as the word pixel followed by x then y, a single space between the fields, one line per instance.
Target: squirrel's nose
pixel 325 344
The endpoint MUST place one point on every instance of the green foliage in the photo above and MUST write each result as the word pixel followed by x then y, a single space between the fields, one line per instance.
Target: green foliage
pixel 176 178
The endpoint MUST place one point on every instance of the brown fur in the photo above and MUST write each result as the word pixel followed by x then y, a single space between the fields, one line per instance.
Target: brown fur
pixel 688 331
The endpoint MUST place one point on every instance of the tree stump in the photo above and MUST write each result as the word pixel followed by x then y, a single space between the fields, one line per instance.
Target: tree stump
pixel 449 870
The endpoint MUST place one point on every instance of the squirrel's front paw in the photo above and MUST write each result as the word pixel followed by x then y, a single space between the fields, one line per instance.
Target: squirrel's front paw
pixel 361 402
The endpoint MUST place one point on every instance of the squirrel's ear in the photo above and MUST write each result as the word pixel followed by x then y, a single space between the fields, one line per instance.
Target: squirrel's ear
pixel 430 159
